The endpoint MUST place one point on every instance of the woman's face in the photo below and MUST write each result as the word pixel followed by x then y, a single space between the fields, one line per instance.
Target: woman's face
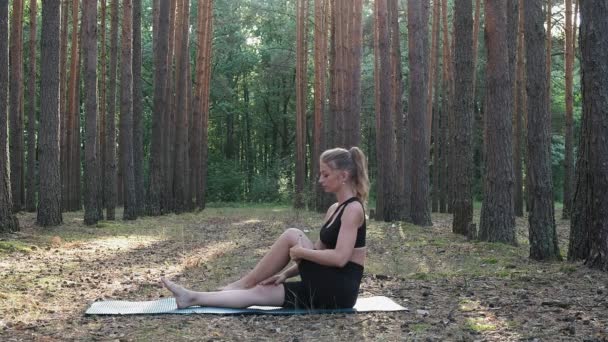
pixel 330 179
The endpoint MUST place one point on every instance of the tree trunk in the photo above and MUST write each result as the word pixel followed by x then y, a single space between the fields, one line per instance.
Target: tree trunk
pixel 63 106
pixel 101 151
pixel 518 111
pixel 138 120
pixel 549 43
pixel 463 109
pixel 436 108
pixel 91 164
pixel 569 136
pixel 181 123
pixel 497 216
pixel 353 75
pixel 16 106
pixel 446 110
pixel 589 227
pixel 73 111
pixel 320 65
pixel 385 140
pixel 542 236
pixel 301 54
pixel 418 15
pixel 401 193
pixel 126 112
pixel 160 105
pixel 110 180
pixel 8 221
pixel 30 198
pixel 49 201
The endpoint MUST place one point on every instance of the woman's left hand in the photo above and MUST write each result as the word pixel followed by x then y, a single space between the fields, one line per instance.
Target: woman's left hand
pixel 294 252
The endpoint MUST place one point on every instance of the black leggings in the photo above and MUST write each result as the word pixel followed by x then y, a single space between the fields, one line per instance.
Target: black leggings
pixel 324 287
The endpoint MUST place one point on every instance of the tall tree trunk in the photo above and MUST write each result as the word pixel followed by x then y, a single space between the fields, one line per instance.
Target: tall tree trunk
pixel 446 111
pixel 385 139
pixel 320 65
pixel 418 130
pixel 16 106
pixel 63 106
pixel 138 120
pixel 436 188
pixel 89 48
pixel 549 45
pixel 205 104
pixel 110 180
pixel 8 221
pixel 520 101
pixel 542 236
pixel 30 198
pixel 73 111
pixel 463 109
pixel 589 228
pixel 126 112
pixel 49 201
pixel 401 192
pixel 301 83
pixel 353 75
pixel 512 36
pixel 167 197
pixel 101 151
pixel 497 216
pixel 568 153
pixel 181 93
pixel 160 105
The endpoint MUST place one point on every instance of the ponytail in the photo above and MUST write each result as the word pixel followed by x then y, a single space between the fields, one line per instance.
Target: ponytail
pixel 360 177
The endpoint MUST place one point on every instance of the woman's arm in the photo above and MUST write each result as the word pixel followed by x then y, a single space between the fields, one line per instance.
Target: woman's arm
pixel 352 218
pixel 291 272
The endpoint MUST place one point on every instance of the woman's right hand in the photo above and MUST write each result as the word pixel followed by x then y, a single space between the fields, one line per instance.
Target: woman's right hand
pixel 274 280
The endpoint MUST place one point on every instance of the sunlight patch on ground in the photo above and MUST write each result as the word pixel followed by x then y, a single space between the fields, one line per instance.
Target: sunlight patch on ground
pixel 203 255
pixel 246 222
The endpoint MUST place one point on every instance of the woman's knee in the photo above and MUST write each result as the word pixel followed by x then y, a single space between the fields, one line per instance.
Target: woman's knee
pixel 294 234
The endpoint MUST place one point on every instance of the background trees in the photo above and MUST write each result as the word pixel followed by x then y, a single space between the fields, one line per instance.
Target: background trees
pixel 218 106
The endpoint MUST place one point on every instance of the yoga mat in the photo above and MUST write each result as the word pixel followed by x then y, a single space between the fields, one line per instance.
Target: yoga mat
pixel 167 306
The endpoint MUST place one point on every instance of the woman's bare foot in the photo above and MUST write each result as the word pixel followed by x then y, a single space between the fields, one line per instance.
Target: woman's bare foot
pixel 183 298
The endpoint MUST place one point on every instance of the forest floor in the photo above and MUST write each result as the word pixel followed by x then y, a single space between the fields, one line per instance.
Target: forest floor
pixel 454 289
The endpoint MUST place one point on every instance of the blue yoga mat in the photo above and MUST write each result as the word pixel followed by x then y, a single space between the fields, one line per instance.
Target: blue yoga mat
pixel 167 306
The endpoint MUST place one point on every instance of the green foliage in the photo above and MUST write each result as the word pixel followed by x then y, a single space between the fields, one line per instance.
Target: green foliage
pixel 224 181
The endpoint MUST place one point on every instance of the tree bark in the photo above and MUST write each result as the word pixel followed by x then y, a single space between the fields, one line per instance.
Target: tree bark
pixel 72 122
pixel 589 228
pixel 569 136
pixel 8 220
pixel 301 52
pixel 320 65
pixel 91 165
pixel 401 192
pixel 520 101
pixel 30 197
pixel 160 106
pixel 542 234
pixel 446 110
pixel 497 216
pixel 16 107
pixel 63 106
pixel 101 151
pixel 126 112
pixel 138 119
pixel 463 109
pixel 418 15
pixel 431 106
pixel 110 180
pixel 49 201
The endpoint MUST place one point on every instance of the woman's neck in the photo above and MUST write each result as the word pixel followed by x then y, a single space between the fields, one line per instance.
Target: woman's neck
pixel 344 194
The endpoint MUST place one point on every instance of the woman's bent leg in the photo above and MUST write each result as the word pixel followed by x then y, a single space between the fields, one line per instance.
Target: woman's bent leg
pixel 272 295
pixel 274 261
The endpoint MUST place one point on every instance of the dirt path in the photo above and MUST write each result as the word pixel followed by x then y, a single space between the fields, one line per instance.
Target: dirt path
pixel 454 289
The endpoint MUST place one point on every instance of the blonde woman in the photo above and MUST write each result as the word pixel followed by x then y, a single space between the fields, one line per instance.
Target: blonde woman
pixel 330 269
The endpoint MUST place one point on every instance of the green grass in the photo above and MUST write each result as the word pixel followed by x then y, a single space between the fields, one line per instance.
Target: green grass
pixel 14 246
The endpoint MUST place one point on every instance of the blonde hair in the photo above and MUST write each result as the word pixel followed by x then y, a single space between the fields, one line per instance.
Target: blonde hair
pixel 354 162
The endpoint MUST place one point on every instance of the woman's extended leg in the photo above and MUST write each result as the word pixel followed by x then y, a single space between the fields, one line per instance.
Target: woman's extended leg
pixel 272 295
pixel 274 261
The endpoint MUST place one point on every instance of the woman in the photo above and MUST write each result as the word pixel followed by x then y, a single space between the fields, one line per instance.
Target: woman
pixel 331 269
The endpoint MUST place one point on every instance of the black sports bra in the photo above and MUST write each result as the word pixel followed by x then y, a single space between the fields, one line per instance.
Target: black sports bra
pixel 329 232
